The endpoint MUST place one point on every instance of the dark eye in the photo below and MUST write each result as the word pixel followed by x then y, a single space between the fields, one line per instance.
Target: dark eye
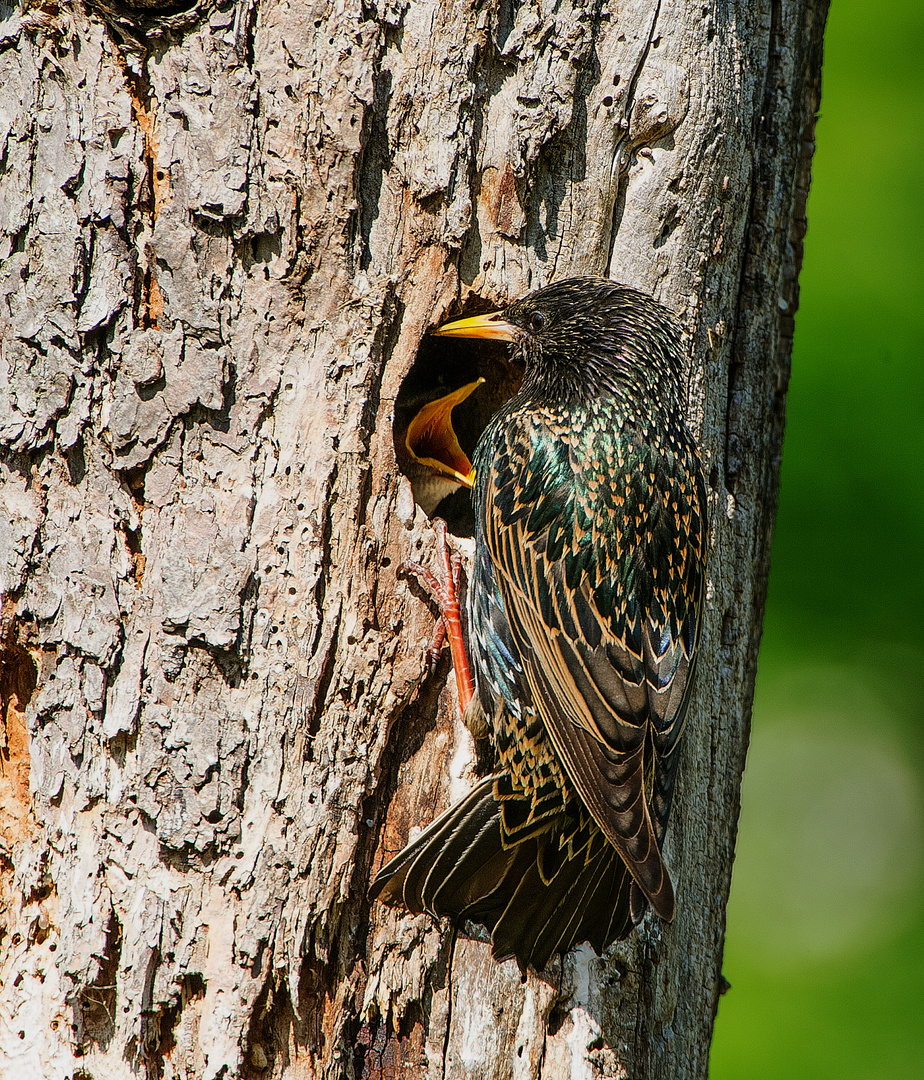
pixel 537 321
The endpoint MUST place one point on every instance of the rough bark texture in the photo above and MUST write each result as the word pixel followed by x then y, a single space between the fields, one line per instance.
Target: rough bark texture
pixel 224 234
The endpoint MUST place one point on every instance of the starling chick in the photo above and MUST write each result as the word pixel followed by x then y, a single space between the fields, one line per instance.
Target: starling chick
pixel 429 452
pixel 585 605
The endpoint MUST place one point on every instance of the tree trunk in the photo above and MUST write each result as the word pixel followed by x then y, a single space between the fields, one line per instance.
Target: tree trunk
pixel 225 233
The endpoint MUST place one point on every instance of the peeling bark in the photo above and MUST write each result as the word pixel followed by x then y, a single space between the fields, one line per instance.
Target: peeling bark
pixel 224 234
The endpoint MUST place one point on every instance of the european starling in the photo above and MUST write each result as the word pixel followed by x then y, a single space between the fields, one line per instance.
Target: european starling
pixel 429 451
pixel 585 605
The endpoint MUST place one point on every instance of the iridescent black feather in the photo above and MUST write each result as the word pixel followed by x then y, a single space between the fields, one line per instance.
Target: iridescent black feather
pixel 584 617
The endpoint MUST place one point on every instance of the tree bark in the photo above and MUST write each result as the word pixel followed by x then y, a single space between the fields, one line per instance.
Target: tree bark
pixel 225 232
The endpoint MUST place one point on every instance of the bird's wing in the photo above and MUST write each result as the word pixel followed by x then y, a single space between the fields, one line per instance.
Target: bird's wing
pixel 604 608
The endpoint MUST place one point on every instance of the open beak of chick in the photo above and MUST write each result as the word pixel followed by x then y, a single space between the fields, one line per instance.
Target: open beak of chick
pixel 431 440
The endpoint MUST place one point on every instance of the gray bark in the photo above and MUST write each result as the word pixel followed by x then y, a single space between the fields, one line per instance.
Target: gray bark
pixel 224 234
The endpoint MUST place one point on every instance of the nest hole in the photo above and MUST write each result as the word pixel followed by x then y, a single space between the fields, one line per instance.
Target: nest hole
pixel 443 366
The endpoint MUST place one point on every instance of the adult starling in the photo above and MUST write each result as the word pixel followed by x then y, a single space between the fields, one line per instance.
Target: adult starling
pixel 585 604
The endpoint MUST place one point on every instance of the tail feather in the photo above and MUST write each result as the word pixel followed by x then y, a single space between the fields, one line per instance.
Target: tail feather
pixel 586 901
pixel 406 878
pixel 537 894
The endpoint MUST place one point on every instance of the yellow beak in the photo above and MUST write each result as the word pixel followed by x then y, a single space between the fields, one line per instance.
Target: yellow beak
pixel 432 441
pixel 481 326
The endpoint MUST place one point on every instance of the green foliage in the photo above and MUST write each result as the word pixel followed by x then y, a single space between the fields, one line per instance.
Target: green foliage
pixel 825 948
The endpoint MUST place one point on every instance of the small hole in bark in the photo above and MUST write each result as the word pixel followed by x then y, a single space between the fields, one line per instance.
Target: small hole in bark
pixel 608 100
pixel 444 365
pixel 671 221
pixel 557 1017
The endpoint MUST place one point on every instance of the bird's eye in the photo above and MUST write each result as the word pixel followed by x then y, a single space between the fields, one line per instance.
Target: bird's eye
pixel 537 321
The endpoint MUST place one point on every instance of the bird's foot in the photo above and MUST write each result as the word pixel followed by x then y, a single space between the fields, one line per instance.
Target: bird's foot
pixel 435 648
pixel 443 586
pixel 429 583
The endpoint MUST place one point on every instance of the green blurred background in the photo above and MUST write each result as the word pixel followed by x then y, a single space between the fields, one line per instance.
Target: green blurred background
pixel 825 946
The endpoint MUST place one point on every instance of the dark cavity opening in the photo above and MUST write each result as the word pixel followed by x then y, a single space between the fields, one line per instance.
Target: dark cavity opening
pixel 444 365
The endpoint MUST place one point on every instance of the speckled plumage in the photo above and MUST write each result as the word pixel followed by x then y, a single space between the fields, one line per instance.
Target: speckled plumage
pixel 585 604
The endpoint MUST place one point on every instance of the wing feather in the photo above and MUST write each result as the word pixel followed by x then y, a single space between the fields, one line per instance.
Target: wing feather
pixel 607 648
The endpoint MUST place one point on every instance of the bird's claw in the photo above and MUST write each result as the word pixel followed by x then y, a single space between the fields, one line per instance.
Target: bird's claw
pixel 431 584
pixel 435 648
pixel 443 586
